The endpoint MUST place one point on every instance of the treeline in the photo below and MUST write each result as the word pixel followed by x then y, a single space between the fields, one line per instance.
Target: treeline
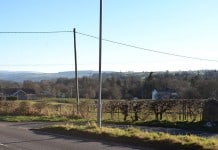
pixel 188 85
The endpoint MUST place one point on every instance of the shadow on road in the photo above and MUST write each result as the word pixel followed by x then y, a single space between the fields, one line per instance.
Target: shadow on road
pixel 83 139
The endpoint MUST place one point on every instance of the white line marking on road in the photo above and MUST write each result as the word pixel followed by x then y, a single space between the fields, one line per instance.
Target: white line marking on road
pixel 3 145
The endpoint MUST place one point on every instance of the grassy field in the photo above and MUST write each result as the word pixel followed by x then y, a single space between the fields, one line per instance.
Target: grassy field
pixel 134 136
pixel 64 110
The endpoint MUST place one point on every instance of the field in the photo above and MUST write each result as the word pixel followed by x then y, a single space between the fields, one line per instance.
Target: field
pixel 186 114
pixel 112 110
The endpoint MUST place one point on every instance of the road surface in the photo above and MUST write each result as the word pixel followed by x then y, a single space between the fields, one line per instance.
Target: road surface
pixel 18 136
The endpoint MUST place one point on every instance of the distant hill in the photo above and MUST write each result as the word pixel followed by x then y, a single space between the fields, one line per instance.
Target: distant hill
pixel 20 76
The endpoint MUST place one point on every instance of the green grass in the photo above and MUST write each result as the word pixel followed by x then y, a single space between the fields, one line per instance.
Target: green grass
pixel 137 137
pixel 42 118
pixel 194 126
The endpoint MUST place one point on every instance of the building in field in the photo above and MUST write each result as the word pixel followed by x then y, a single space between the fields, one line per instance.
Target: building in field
pixel 164 94
pixel 17 94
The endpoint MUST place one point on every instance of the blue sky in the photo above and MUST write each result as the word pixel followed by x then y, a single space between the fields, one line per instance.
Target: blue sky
pixel 183 27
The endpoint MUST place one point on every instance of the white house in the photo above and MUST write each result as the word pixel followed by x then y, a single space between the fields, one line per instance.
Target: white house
pixel 154 94
pixel 164 94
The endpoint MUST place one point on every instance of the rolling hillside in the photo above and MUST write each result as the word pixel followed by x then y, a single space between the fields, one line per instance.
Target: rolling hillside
pixel 37 76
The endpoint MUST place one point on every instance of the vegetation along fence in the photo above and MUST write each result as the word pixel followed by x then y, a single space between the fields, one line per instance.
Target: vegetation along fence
pixel 116 110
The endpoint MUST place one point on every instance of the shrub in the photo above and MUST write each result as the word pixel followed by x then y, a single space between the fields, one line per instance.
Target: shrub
pixel 24 108
pixel 13 98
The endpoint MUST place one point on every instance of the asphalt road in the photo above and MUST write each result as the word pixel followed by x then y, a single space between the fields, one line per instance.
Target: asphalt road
pixel 18 136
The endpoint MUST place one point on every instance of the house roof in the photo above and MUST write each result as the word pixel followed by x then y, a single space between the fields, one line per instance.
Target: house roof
pixel 11 91
pixel 19 92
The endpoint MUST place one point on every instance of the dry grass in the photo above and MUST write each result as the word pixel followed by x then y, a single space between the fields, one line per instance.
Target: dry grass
pixel 137 137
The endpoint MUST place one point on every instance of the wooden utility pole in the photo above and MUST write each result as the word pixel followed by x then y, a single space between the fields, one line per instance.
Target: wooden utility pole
pixel 99 113
pixel 76 73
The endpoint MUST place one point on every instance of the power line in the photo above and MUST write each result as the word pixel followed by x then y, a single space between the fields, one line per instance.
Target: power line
pixel 35 32
pixel 32 65
pixel 150 50
pixel 114 42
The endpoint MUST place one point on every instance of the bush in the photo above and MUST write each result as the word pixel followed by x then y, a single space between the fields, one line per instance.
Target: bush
pixel 24 108
pixel 13 98
pixel 39 106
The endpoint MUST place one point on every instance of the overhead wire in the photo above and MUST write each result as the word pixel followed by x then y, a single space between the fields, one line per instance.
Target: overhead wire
pixel 114 42
pixel 26 65
pixel 150 50
pixel 36 32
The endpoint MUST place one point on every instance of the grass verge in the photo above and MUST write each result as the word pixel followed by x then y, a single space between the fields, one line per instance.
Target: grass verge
pixel 189 126
pixel 42 119
pixel 136 137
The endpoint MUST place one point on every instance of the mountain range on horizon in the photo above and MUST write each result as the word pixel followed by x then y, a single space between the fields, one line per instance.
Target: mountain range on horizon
pixel 20 76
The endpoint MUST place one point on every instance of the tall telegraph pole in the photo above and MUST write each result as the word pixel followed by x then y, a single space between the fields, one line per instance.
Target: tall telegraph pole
pixel 76 73
pixel 99 113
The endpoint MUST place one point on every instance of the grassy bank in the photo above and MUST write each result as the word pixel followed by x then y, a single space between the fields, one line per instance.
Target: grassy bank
pixel 42 119
pixel 136 137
